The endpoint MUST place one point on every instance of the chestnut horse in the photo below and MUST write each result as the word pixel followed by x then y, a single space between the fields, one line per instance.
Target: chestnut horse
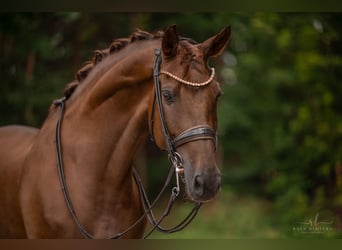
pixel 109 110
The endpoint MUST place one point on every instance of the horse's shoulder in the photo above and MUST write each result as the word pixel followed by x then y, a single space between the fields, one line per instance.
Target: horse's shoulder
pixel 17 136
pixel 18 128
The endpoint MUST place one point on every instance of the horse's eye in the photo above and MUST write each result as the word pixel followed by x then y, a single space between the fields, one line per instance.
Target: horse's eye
pixel 168 96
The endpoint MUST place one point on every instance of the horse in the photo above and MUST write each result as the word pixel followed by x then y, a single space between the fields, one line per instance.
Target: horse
pixel 157 84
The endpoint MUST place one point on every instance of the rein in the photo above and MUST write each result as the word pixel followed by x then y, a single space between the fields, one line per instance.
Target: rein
pixel 202 132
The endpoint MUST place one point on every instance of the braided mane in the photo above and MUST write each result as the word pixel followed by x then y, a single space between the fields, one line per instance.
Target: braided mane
pixel 98 56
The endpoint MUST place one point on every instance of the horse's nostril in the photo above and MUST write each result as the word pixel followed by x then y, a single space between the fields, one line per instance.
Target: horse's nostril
pixel 218 185
pixel 205 186
pixel 198 185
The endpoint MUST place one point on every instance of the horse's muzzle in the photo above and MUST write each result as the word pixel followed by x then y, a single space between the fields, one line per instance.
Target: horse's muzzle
pixel 204 186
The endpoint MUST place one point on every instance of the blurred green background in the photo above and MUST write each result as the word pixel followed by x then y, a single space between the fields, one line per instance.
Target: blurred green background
pixel 280 117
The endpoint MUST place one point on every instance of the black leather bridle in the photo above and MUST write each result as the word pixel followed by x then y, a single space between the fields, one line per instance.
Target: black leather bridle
pixel 202 132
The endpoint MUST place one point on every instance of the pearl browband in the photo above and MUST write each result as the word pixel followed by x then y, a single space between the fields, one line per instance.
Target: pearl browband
pixel 193 84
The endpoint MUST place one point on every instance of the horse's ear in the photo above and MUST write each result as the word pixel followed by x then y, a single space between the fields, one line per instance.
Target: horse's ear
pixel 214 46
pixel 170 41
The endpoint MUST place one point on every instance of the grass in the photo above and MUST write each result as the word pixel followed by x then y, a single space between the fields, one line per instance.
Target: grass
pixel 228 217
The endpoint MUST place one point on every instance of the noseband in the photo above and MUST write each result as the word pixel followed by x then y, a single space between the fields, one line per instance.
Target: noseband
pixel 200 132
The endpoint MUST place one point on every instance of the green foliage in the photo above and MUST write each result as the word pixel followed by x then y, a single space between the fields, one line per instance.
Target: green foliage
pixel 229 216
pixel 284 134
pixel 280 122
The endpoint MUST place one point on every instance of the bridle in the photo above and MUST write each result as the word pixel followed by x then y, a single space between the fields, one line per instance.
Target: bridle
pixel 201 132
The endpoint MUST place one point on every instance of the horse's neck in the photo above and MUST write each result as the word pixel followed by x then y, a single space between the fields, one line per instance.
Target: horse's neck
pixel 101 133
pixel 121 71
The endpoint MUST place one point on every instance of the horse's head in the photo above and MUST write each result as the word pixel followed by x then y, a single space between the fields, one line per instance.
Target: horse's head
pixel 189 94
